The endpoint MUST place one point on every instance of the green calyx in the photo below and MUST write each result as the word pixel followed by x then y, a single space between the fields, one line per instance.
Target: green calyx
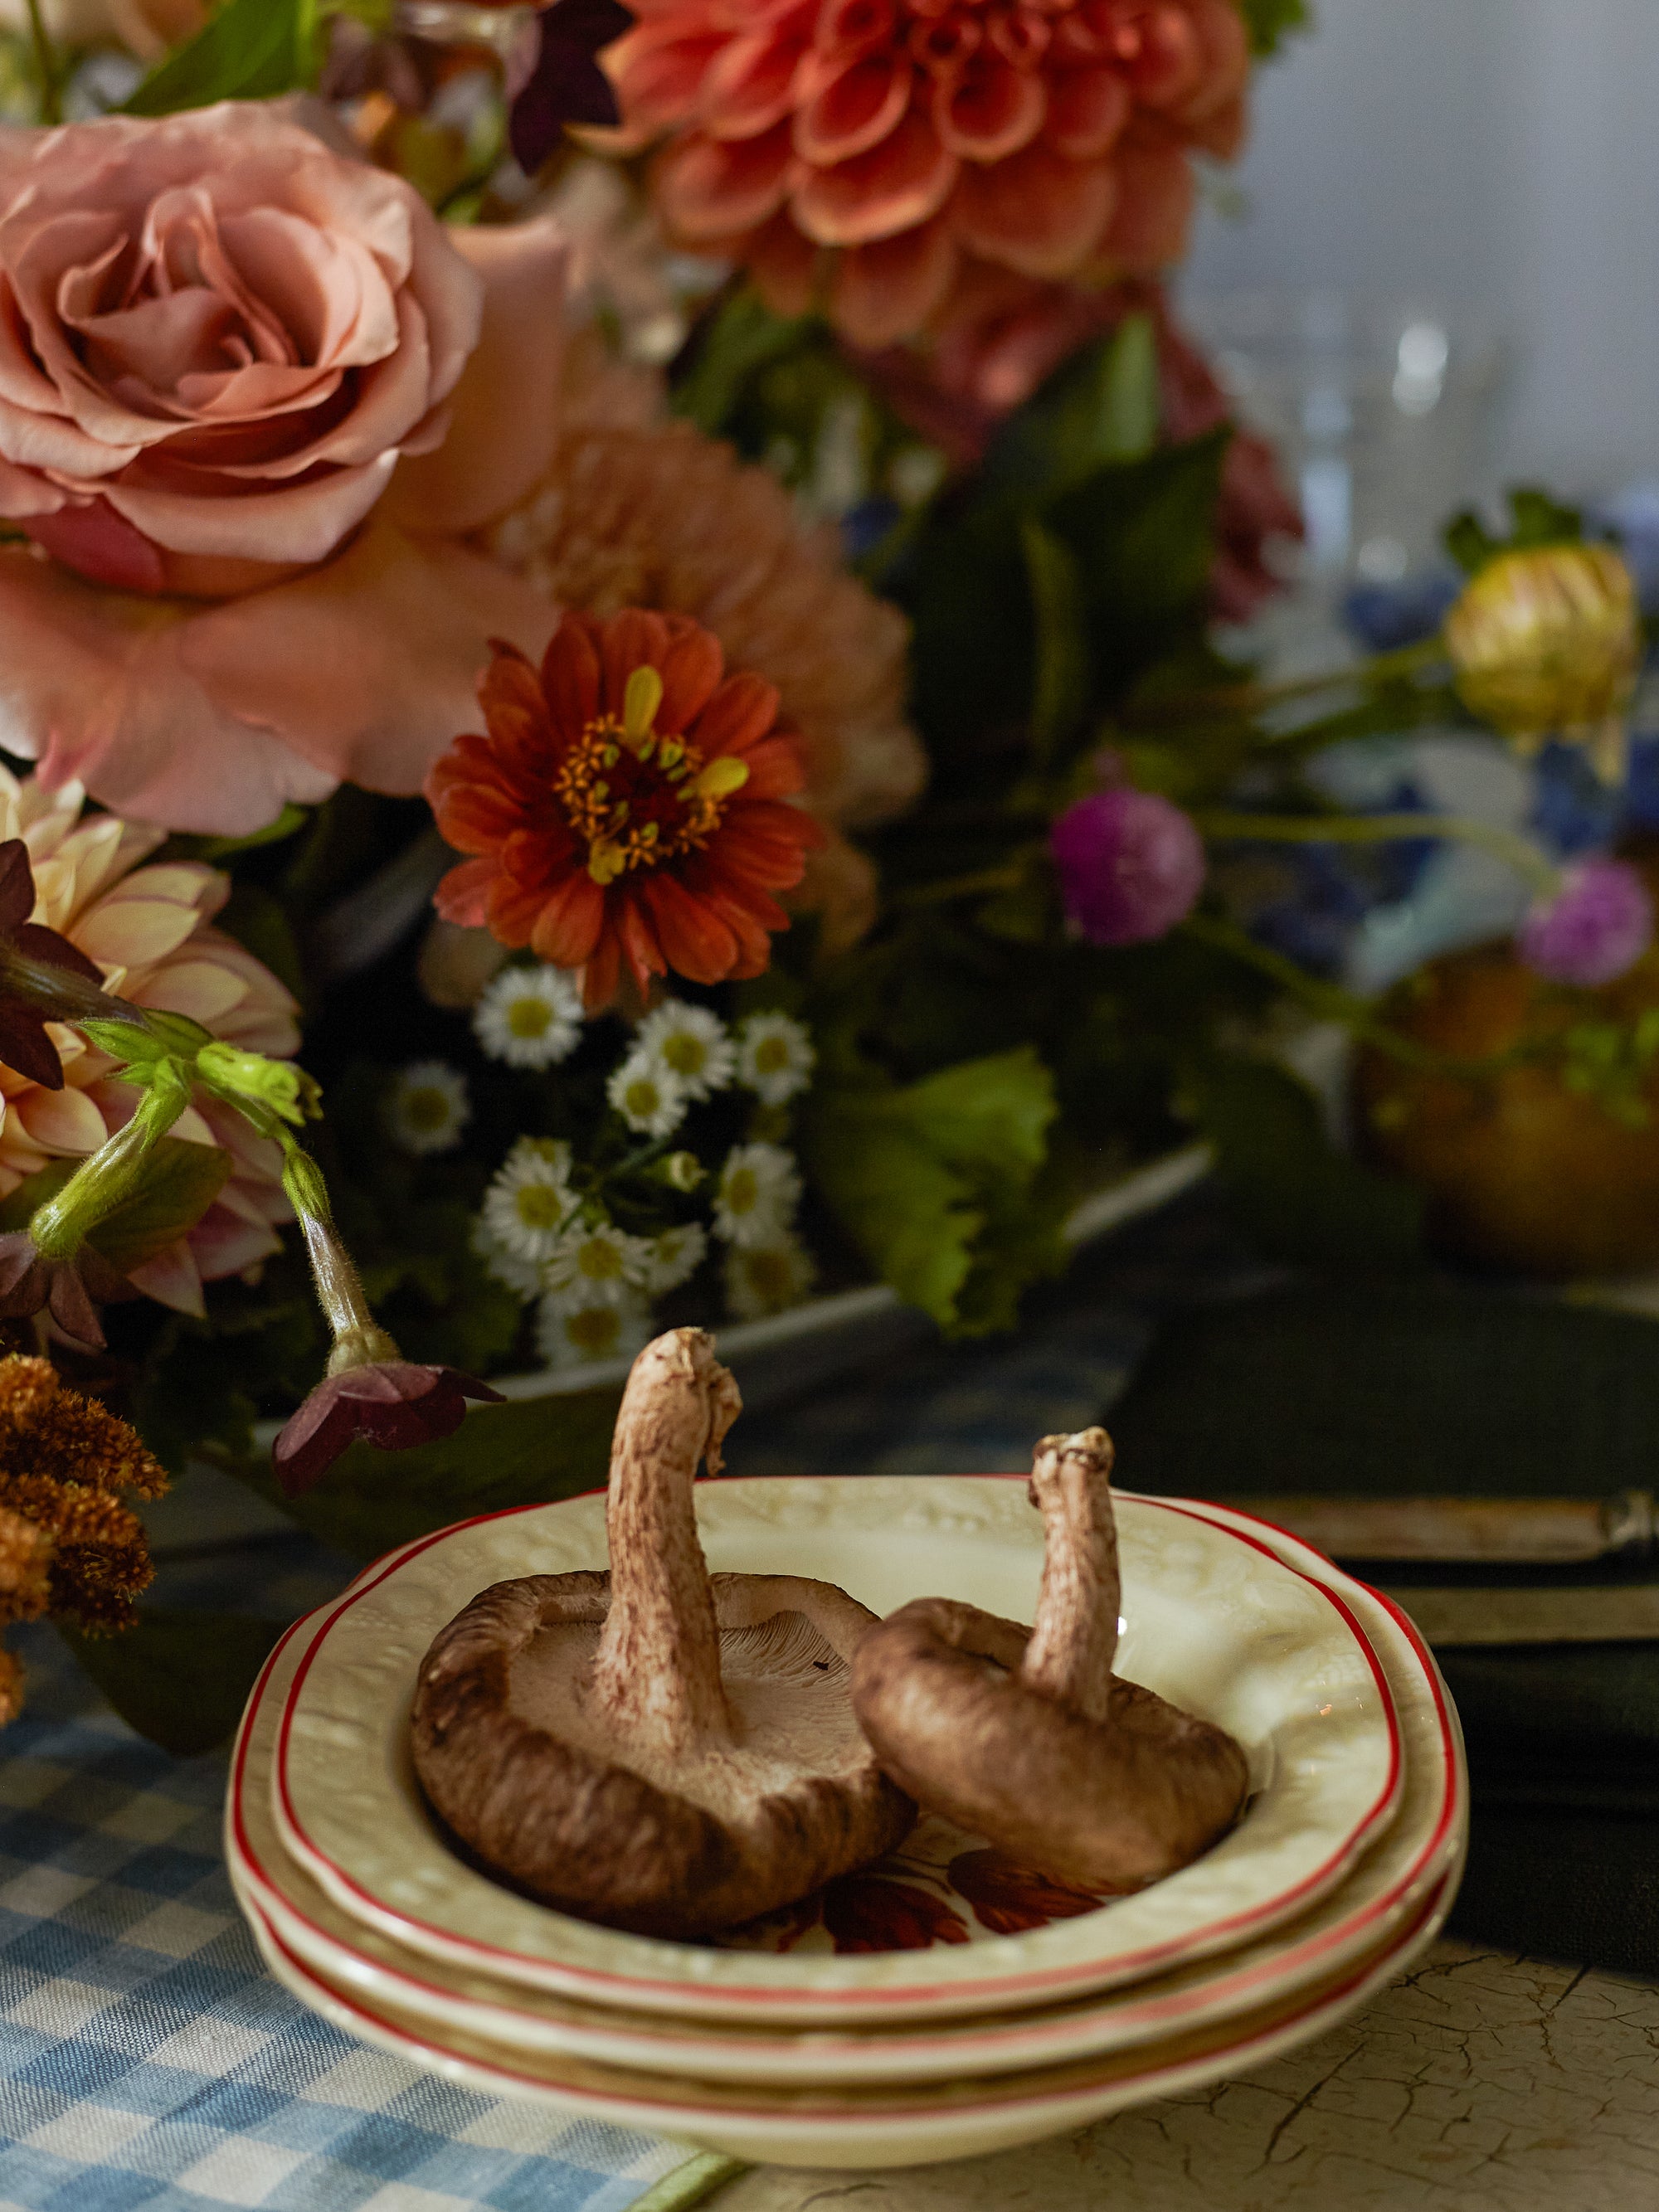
pixel 62 1225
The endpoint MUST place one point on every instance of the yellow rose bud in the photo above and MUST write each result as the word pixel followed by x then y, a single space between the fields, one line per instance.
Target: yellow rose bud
pixel 1546 642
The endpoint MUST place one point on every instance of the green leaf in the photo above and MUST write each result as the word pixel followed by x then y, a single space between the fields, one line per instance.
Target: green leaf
pixel 179 1183
pixel 1535 519
pixel 180 1677
pixel 1143 532
pixel 292 819
pixel 249 50
pixel 1295 1193
pixel 740 339
pixel 1103 405
pixel 526 1453
pixel 1061 697
pixel 1270 22
pixel 932 1180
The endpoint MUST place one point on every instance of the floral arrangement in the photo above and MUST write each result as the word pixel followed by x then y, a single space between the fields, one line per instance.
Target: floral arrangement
pixel 606 615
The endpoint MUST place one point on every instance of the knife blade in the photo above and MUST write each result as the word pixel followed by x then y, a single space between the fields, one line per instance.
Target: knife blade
pixel 1621 1614
pixel 1469 1531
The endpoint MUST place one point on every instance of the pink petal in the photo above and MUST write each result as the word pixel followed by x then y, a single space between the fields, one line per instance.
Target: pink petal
pixel 172 1278
pixel 504 420
pixel 61 1121
pixel 133 933
pixel 366 666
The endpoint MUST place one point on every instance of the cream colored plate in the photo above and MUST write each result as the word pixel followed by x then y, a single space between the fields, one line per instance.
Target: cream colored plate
pixel 913 2125
pixel 1213 1620
pixel 1390 1884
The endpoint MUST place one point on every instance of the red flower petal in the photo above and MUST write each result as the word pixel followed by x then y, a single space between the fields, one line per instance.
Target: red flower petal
pixel 463 895
pixel 633 639
pixel 884 290
pixel 691 669
pixel 1034 212
pixel 696 943
pixel 990 111
pixel 902 182
pixel 708 188
pixel 1087 111
pixel 572 916
pixel 570 675
pixel 854 108
pixel 750 86
pixel 736 718
pixel 1156 192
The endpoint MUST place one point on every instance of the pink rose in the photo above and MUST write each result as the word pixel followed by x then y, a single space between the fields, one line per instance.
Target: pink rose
pixel 238 367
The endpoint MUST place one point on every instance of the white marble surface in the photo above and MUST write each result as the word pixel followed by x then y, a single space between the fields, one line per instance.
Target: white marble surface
pixel 1479 2083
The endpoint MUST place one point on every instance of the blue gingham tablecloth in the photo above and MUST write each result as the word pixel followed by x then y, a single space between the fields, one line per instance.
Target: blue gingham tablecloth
pixel 146 2058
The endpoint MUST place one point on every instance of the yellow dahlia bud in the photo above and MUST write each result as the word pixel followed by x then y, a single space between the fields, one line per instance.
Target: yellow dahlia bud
pixel 1546 642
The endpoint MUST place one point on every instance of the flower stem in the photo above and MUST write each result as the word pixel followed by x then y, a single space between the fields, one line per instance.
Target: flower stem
pixel 1004 878
pixel 359 1339
pixel 1255 698
pixel 46 62
pixel 1517 852
pixel 1353 1013
pixel 60 1225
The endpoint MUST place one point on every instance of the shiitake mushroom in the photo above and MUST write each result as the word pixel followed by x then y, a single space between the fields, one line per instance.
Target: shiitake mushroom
pixel 1027 1736
pixel 656 1748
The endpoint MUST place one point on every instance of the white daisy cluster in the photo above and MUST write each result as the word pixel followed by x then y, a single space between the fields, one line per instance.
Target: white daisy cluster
pixel 595 1282
pixel 530 1017
pixel 549 1241
pixel 680 1053
pixel 767 1265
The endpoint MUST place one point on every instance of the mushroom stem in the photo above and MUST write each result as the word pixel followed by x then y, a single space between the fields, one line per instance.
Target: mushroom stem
pixel 1074 1640
pixel 658 1667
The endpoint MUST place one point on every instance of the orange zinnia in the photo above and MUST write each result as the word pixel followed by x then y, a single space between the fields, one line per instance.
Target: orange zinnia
pixel 629 803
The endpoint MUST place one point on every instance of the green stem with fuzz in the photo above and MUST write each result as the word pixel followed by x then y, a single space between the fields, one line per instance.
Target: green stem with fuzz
pixel 62 1225
pixel 359 1339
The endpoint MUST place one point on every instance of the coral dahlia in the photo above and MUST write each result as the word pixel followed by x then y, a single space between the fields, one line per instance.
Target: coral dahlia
pixel 628 804
pixel 147 930
pixel 906 137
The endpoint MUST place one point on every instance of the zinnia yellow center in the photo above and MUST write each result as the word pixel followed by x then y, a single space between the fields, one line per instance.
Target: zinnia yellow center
pixel 598 1261
pixel 636 798
pixel 427 1108
pixel 685 1053
pixel 742 1192
pixel 771 1056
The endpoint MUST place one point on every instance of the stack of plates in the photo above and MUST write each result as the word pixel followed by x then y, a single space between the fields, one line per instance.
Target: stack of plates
pixel 942 2004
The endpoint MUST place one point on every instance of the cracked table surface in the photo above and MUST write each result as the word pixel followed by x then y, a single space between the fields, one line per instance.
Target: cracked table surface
pixel 1479 2082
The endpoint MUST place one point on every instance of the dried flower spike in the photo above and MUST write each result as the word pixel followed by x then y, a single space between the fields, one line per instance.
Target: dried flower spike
pixel 64 1462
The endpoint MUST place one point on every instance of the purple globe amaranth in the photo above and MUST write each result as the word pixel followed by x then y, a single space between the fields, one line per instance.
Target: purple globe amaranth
pixel 1131 866
pixel 1598 923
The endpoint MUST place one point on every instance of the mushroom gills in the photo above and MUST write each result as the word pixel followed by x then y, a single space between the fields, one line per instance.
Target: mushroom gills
pixel 786 1684
pixel 1027 1736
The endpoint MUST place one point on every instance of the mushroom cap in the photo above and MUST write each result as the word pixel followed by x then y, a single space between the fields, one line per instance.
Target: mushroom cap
pixel 533 1776
pixel 1111 1804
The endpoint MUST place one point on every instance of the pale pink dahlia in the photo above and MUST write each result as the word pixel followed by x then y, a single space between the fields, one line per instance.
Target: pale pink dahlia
pixel 863 152
pixel 148 930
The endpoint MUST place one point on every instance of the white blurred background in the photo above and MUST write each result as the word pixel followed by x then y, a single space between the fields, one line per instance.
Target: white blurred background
pixel 1500 154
